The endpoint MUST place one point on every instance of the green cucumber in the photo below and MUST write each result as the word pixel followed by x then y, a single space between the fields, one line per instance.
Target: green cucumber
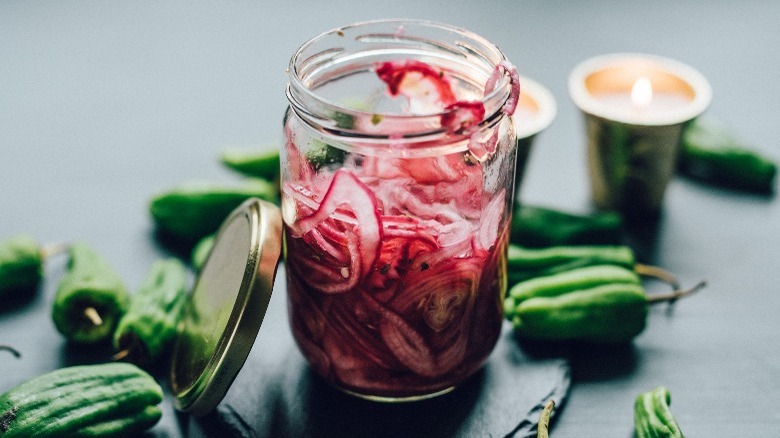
pixel 99 400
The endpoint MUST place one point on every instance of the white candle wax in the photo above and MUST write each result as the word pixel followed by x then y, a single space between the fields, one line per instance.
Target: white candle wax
pixel 661 104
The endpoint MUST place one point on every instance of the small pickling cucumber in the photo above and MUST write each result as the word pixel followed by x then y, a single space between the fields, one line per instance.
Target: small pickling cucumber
pixel 106 400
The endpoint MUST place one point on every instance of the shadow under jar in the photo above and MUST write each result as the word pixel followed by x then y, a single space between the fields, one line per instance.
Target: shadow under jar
pixel 397 185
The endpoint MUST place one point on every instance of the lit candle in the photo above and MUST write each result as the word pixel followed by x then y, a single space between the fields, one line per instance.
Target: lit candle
pixel 635 107
pixel 535 111
pixel 642 103
pixel 642 93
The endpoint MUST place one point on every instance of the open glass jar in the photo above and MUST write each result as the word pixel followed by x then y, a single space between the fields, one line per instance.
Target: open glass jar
pixel 397 186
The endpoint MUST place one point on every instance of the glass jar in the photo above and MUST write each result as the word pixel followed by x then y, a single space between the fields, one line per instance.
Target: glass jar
pixel 397 186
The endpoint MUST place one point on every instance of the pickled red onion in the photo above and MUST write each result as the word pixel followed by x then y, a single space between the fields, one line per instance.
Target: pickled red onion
pixel 463 117
pixel 345 188
pixel 404 341
pixel 505 67
pixel 396 74
pixel 491 219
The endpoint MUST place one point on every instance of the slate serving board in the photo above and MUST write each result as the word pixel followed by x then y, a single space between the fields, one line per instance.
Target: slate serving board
pixel 276 395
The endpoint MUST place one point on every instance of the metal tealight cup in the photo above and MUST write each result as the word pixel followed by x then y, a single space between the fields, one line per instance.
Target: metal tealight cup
pixel 535 111
pixel 632 150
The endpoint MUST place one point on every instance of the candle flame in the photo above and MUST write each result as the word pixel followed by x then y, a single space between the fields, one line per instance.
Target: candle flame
pixel 642 92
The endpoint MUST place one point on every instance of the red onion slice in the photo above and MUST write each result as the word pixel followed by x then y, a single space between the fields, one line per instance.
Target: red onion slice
pixel 346 188
pixel 416 80
pixel 327 275
pixel 463 117
pixel 505 67
pixel 491 219
pixel 404 341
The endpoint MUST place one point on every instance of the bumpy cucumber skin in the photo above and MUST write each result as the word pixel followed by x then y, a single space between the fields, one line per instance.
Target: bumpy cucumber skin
pixel 21 267
pixel 127 426
pixel 611 313
pixel 154 312
pixel 112 397
pixel 652 416
pixel 90 281
pixel 193 211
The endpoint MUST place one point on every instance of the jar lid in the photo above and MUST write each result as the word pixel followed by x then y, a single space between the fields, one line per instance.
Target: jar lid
pixel 226 307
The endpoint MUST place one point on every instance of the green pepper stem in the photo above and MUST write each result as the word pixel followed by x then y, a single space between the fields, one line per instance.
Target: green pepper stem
pixel 121 354
pixel 11 350
pixel 131 348
pixel 544 420
pixel 676 295
pixel 659 273
pixel 53 249
pixel 93 316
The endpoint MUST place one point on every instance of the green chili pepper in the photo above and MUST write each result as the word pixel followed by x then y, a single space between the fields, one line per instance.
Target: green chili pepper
pixel 191 212
pixel 580 278
pixel 535 227
pixel 652 416
pixel 526 263
pixel 322 155
pixel 710 153
pixel 607 313
pixel 90 298
pixel 602 303
pixel 253 163
pixel 201 251
pixel 21 267
pixel 107 400
pixel 148 327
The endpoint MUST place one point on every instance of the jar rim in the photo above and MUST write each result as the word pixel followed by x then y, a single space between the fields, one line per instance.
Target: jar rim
pixel 470 47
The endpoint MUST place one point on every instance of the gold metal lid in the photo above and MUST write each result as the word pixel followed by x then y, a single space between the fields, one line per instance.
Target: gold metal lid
pixel 226 307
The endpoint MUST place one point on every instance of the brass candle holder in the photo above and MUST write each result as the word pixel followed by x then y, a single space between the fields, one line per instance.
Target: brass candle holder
pixel 635 107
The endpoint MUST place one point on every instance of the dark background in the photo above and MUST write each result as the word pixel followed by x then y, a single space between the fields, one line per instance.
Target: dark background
pixel 103 104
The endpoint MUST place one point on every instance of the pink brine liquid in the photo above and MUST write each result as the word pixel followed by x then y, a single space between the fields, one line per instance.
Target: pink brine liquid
pixel 395 266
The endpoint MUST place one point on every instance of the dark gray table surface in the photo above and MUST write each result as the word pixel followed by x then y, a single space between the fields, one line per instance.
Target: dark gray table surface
pixel 103 104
